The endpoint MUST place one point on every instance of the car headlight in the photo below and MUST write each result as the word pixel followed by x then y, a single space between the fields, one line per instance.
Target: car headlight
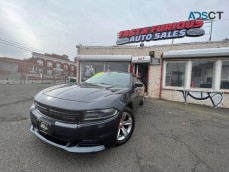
pixel 99 114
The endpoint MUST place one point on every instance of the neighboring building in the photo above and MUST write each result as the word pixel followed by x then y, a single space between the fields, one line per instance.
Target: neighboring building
pixel 54 65
pixel 38 67
pixel 15 69
pixel 8 66
pixel 183 73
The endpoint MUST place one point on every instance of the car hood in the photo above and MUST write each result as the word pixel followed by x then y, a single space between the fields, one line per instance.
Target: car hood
pixel 82 93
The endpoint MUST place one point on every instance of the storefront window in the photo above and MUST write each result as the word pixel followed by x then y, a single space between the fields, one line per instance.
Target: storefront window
pixel 175 74
pixel 89 69
pixel 120 67
pixel 225 75
pixel 202 74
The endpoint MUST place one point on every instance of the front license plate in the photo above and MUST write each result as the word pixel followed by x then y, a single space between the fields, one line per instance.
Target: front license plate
pixel 44 127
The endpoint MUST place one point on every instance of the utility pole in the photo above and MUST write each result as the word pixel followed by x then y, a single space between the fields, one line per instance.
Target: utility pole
pixel 210 38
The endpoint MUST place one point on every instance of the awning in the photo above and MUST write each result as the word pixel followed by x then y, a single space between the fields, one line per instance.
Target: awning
pixel 104 58
pixel 209 52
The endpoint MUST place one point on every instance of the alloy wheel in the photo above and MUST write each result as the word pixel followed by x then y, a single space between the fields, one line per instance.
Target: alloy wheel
pixel 125 126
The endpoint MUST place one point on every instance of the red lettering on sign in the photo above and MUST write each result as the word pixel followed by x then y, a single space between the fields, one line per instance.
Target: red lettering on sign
pixel 132 32
pixel 168 27
pixel 160 28
pixel 126 33
pixel 180 25
pixel 120 35
pixel 198 23
pixel 189 24
pixel 174 26
pixel 145 31
pixel 138 31
pixel 154 28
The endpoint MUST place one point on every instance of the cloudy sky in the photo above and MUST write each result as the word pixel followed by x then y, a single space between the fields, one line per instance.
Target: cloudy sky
pixel 57 26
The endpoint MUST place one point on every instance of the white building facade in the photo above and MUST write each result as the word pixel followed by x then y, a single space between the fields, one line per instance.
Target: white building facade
pixel 192 73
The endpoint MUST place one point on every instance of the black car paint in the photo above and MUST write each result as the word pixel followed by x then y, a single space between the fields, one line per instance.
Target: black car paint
pixel 86 98
pixel 103 130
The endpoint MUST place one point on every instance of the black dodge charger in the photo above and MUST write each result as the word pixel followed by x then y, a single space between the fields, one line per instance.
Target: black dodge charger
pixel 88 117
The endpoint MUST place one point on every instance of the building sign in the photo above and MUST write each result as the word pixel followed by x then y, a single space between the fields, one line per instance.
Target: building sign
pixel 180 29
pixel 141 59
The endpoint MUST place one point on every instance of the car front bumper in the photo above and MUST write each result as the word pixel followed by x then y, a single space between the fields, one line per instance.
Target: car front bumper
pixel 84 137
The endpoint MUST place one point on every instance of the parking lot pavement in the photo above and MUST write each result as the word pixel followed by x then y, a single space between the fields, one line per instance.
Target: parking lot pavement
pixel 168 136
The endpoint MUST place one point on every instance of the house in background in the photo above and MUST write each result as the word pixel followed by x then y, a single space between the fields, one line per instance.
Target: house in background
pixel 50 65
pixel 40 67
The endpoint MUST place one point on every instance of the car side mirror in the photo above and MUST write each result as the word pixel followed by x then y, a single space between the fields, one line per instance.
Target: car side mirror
pixel 138 84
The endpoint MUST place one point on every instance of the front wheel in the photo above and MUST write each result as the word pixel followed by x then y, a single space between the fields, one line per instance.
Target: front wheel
pixel 126 126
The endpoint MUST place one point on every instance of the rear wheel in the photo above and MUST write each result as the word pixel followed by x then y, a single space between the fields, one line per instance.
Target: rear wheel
pixel 126 127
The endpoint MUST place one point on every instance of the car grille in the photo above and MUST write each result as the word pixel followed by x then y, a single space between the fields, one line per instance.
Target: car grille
pixel 89 143
pixel 55 140
pixel 59 114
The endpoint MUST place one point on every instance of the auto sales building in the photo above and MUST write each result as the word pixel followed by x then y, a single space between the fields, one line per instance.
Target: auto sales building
pixel 188 72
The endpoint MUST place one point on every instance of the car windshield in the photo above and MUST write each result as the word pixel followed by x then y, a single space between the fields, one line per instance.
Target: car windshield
pixel 113 79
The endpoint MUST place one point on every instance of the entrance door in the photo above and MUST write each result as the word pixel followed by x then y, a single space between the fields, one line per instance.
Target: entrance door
pixel 142 70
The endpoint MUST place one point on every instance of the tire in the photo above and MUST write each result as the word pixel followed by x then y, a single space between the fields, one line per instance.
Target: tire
pixel 126 128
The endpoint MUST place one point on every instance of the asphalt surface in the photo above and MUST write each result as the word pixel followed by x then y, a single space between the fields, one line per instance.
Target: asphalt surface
pixel 168 136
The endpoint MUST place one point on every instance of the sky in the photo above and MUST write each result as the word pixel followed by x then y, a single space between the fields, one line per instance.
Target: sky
pixel 57 26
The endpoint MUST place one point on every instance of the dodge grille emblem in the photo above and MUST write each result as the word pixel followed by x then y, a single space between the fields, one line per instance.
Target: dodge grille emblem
pixel 44 126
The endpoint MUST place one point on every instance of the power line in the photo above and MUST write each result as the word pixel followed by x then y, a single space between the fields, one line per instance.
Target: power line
pixel 10 43
pixel 19 45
